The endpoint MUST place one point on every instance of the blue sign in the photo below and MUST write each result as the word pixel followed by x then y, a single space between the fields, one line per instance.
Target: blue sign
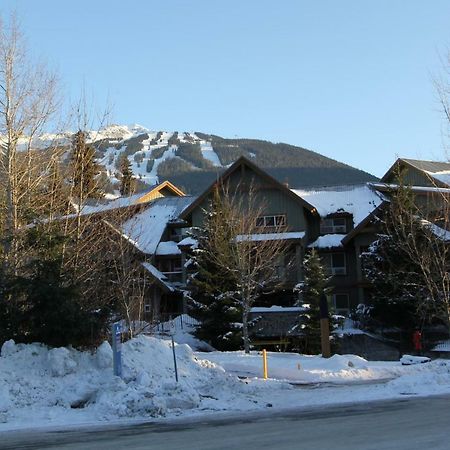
pixel 117 349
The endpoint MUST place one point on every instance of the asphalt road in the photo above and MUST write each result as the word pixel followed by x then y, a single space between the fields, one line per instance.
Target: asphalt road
pixel 410 423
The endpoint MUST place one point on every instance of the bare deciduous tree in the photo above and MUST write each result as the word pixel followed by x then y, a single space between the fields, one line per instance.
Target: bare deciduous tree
pixel 126 275
pixel 28 101
pixel 254 260
pixel 425 239
pixel 410 262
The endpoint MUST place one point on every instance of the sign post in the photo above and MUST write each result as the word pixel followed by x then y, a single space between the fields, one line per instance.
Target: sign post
pixel 117 349
pixel 324 327
pixel 174 359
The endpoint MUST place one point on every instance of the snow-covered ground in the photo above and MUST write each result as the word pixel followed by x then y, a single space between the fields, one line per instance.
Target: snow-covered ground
pixel 41 387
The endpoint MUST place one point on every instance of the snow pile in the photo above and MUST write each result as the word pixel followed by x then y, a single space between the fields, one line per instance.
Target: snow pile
pixel 63 385
pixel 182 329
pixel 60 362
pixel 303 369
pixel 340 370
pixel 409 360
pixel 53 387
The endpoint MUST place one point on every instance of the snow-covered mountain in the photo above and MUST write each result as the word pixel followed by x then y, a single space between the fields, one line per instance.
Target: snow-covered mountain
pixel 192 160
pixel 147 149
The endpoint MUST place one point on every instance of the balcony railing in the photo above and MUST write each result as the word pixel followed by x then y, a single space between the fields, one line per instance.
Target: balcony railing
pixel 174 277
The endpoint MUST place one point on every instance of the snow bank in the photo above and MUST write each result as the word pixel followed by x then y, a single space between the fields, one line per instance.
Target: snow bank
pixel 65 387
pixel 182 329
pixel 41 386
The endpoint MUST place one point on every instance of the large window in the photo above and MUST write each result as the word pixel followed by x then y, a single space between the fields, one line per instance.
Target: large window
pixel 171 268
pixel 277 220
pixel 335 263
pixel 334 225
pixel 341 303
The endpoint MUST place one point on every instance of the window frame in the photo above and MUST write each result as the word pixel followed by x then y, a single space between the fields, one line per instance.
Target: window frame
pixel 333 299
pixel 328 225
pixel 271 221
pixel 333 269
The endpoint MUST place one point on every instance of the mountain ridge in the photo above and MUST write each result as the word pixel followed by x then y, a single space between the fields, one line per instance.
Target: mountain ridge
pixel 193 160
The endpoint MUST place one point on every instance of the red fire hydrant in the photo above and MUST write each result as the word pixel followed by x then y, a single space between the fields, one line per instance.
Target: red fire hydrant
pixel 417 341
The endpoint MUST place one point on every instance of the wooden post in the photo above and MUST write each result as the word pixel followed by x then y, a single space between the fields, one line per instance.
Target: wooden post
pixel 264 355
pixel 324 327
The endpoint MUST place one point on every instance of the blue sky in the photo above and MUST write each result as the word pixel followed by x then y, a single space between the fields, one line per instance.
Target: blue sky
pixel 348 79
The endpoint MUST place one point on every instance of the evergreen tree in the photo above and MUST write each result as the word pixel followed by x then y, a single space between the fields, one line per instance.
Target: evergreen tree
pixel 311 290
pixel 11 323
pixel 47 306
pixel 84 169
pixel 213 300
pixel 403 265
pixel 127 183
pixel 397 287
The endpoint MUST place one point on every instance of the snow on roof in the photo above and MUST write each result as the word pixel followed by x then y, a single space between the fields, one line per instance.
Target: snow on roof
pixel 439 232
pixel 159 275
pixel 328 241
pixel 168 248
pixel 269 236
pixel 147 227
pixel 188 241
pixel 121 202
pixel 277 309
pixel 359 201
pixel 442 346
pixel 428 166
pixel 443 177
pixel 439 170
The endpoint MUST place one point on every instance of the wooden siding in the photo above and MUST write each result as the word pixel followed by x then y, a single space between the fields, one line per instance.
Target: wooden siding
pixel 165 189
pixel 270 199
pixel 410 177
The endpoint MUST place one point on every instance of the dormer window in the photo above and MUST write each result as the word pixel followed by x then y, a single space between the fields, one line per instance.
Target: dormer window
pixel 278 220
pixel 333 225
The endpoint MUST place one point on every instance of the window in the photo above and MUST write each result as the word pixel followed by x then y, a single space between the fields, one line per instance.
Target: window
pixel 175 234
pixel 278 220
pixel 147 308
pixel 334 225
pixel 335 263
pixel 170 265
pixel 341 303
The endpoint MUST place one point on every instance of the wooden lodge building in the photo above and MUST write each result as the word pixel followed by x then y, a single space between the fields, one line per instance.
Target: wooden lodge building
pixel 337 221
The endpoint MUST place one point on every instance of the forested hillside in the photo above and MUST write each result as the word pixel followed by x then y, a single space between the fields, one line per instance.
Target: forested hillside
pixel 193 160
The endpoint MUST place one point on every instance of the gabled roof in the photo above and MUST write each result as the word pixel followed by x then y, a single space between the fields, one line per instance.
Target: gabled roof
pixel 165 185
pixel 349 236
pixel 157 276
pixel 133 200
pixel 428 166
pixel 145 229
pixel 437 171
pixel 357 200
pixel 389 188
pixel 239 163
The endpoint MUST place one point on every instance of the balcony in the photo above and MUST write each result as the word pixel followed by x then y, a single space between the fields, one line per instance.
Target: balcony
pixel 174 277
